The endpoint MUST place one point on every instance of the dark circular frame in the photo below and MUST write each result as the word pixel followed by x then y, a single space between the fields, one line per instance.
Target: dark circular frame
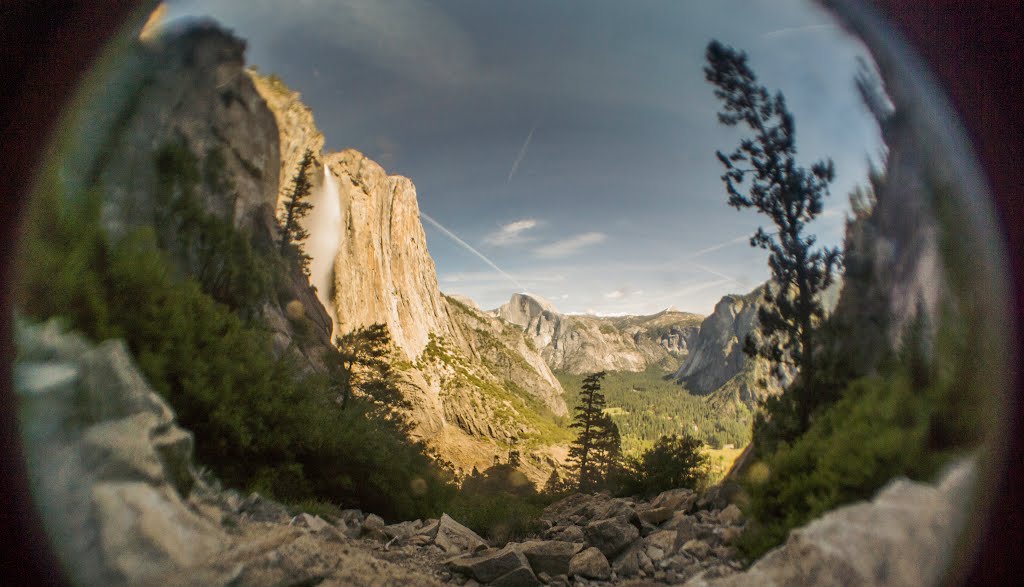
pixel 973 50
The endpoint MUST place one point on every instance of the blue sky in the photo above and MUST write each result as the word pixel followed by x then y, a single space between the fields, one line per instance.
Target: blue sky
pixel 569 143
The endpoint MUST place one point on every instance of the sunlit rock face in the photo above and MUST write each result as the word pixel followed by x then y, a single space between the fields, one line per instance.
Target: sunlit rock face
pixel 717 354
pixel 585 344
pixel 297 130
pixel 383 271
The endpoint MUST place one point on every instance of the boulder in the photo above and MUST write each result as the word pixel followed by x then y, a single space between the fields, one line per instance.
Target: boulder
pixel 730 534
pixel 373 528
pixel 121 449
pixel 454 538
pixel 681 500
pixel 146 531
pixel 685 526
pixel 402 530
pixel 521 577
pixel 612 535
pixel 314 523
pixel 591 564
pixel 567 534
pixel 260 509
pixel 628 563
pixel 731 515
pixel 697 548
pixel 350 522
pixel 489 565
pixel 902 537
pixel 660 544
pixel 656 515
pixel 549 556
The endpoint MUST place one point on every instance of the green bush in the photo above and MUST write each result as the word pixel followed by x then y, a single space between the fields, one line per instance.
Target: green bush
pixel 499 517
pixel 258 421
pixel 674 461
pixel 879 430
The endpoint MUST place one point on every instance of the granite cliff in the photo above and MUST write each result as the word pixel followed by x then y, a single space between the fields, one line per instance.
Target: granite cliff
pixel 477 387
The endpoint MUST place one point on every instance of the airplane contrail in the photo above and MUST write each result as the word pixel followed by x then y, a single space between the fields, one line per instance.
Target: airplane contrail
pixel 730 242
pixel 716 273
pixel 522 153
pixel 796 29
pixel 469 248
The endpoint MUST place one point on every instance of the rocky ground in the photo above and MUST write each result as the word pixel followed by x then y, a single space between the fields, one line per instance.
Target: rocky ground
pixel 113 479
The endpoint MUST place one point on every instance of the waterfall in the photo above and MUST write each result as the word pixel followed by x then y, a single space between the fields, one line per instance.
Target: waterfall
pixel 324 226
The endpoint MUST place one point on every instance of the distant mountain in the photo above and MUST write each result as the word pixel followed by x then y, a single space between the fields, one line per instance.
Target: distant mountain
pixel 583 344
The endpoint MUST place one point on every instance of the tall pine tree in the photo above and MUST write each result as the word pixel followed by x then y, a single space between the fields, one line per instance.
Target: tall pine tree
pixel 296 208
pixel 762 173
pixel 593 446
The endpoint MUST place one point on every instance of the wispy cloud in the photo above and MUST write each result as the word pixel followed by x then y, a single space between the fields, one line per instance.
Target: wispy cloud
pixel 771 35
pixel 511 233
pixel 616 295
pixel 522 153
pixel 469 248
pixel 569 246
pixel 488 276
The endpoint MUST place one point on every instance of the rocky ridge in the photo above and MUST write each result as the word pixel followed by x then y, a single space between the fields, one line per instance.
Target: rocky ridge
pixel 186 88
pixel 585 344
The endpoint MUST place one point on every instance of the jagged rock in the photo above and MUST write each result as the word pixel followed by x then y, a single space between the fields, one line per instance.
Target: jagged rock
pixel 697 548
pixel 731 515
pixel 549 556
pixel 612 535
pixel 489 565
pixel 122 449
pixel 898 538
pixel 729 535
pixel 108 461
pixel 350 523
pixel 147 530
pixel 314 523
pixel 567 534
pixel 454 538
pixel 403 530
pixel 258 508
pixel 628 563
pixel 724 552
pixel 521 577
pixel 592 564
pixel 680 500
pixel 660 544
pixel 373 527
pixel 686 527
pixel 656 515
pixel 719 496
